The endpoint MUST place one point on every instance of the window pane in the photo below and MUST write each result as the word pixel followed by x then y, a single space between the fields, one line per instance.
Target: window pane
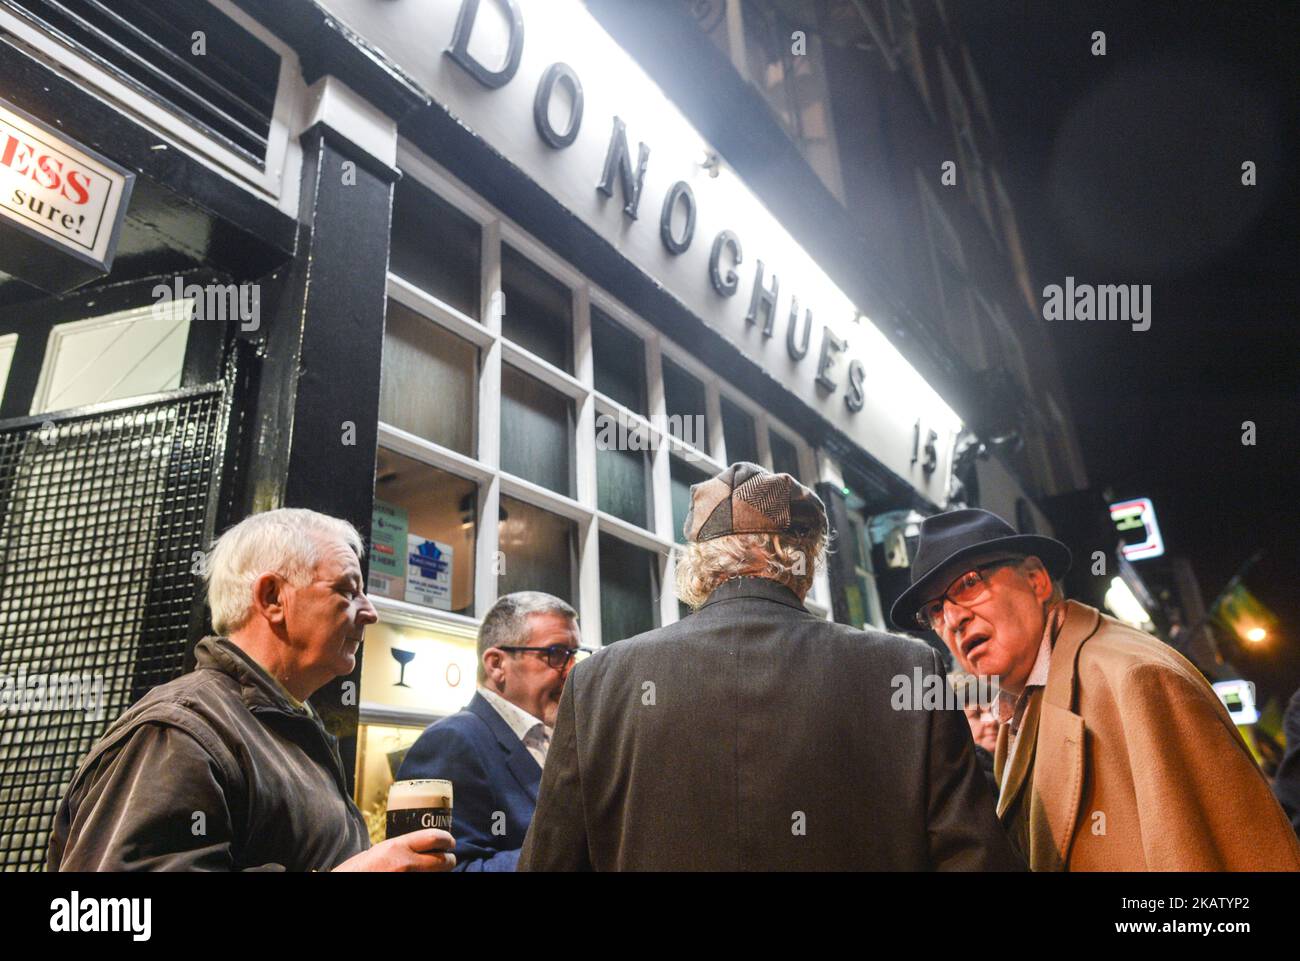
pixel 622 480
pixel 120 355
pixel 429 381
pixel 435 246
pixel 423 530
pixel 738 431
pixel 539 550
pixel 536 431
pixel 619 359
pixel 685 403
pixel 539 310
pixel 785 458
pixel 629 591
pixel 683 476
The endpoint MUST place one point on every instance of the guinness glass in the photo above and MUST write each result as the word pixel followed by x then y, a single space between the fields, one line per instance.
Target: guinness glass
pixel 415 805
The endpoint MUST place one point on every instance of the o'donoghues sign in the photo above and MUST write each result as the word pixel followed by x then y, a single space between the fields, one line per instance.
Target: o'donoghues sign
pixel 61 205
pixel 542 84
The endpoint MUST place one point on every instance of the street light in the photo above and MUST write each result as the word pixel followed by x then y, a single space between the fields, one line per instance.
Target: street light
pixel 1256 634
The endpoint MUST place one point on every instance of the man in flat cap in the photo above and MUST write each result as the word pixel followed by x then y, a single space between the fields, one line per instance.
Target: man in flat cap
pixel 1115 754
pixel 754 735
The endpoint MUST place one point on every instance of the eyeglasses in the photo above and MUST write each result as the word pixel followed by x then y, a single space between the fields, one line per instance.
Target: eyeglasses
pixel 557 655
pixel 971 588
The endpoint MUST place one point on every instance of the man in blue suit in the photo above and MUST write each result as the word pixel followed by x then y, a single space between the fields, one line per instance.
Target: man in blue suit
pixel 494 749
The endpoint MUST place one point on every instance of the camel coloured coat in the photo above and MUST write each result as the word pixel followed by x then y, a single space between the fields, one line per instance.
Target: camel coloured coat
pixel 1127 761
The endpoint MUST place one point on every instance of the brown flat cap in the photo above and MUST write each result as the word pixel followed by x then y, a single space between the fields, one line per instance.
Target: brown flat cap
pixel 746 499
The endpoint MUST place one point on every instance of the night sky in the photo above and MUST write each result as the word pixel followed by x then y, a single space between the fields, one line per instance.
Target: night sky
pixel 1127 169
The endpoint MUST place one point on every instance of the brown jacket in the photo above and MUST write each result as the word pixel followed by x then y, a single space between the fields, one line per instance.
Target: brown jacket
pixel 1127 761
pixel 214 771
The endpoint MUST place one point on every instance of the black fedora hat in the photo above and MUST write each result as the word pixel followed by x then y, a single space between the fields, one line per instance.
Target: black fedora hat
pixel 956 539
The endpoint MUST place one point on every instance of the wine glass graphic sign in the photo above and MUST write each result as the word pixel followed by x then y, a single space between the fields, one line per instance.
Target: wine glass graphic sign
pixel 403 658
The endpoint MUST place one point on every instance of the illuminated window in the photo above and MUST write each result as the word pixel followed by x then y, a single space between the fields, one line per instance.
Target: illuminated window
pixel 429 384
pixel 423 531
pixel 619 359
pixel 538 551
pixel 435 247
pixel 685 400
pixel 623 484
pixel 738 433
pixel 536 431
pixel 539 310
pixel 629 590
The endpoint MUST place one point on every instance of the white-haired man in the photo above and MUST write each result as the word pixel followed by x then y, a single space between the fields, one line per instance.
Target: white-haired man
pixel 754 735
pixel 228 768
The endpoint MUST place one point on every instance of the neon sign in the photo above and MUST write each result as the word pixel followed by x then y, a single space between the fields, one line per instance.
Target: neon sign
pixel 1139 533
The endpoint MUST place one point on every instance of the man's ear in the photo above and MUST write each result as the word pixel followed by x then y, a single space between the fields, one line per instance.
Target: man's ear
pixel 492 659
pixel 1041 582
pixel 268 598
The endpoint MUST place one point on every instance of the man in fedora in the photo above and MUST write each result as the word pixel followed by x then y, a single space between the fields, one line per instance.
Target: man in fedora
pixel 754 735
pixel 1115 754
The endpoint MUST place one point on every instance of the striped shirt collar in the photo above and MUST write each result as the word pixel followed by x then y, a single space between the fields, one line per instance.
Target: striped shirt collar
pixel 516 718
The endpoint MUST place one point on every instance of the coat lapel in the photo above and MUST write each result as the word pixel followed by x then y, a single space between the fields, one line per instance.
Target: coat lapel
pixel 519 762
pixel 1054 812
pixel 1059 769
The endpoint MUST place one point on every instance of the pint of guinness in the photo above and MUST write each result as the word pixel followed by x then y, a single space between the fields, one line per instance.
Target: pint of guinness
pixel 415 805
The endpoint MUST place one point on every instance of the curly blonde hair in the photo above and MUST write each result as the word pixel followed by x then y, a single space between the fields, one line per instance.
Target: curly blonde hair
pixel 789 559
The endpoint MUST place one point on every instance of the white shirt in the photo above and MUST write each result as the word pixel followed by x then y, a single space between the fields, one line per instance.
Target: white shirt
pixel 535 735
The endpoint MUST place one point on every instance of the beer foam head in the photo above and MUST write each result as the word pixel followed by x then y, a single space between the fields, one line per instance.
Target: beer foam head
pixel 427 793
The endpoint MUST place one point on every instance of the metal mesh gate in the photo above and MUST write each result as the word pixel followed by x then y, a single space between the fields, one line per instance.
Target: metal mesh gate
pixel 101 511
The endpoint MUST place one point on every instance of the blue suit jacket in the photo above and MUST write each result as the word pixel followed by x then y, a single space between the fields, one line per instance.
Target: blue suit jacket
pixel 491 771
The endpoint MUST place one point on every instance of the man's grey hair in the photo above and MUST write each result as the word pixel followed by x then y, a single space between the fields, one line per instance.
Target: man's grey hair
pixel 789 559
pixel 506 624
pixel 287 541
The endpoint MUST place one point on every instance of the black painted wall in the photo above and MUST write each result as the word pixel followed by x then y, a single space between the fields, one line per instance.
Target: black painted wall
pixel 315 416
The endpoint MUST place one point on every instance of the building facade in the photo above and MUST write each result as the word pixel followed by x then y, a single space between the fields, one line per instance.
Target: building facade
pixel 497 281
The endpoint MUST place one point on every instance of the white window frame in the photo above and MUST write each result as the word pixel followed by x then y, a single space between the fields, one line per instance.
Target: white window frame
pixel 277 180
pixel 484 467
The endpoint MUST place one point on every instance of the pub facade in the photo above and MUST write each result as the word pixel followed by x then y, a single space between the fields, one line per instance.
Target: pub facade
pixel 458 271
